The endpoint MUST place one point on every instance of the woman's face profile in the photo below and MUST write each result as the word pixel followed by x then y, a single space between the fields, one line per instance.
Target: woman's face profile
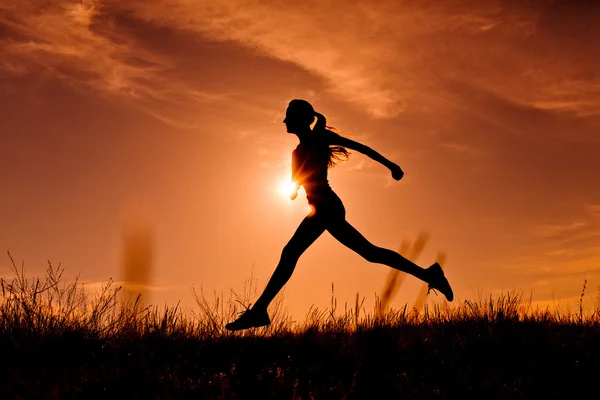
pixel 295 121
pixel 291 120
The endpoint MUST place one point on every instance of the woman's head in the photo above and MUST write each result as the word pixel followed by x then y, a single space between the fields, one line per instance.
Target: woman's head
pixel 298 116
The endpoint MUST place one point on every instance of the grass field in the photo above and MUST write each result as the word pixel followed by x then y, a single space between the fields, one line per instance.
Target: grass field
pixel 59 342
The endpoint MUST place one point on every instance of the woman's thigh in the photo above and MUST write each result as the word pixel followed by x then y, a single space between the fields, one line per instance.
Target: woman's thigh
pixel 308 231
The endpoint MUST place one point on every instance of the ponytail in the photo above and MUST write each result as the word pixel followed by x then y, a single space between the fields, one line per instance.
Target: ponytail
pixel 321 124
pixel 335 153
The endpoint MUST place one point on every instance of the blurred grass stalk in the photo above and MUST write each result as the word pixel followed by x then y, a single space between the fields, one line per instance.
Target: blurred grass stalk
pixel 137 257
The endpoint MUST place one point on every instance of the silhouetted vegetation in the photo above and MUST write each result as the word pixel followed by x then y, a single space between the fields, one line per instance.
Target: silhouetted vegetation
pixel 59 341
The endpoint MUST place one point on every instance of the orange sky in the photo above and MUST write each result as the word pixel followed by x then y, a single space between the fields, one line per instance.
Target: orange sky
pixel 172 109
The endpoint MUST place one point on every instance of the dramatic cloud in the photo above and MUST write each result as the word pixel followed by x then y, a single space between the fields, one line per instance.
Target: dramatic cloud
pixel 73 41
pixel 80 43
pixel 386 55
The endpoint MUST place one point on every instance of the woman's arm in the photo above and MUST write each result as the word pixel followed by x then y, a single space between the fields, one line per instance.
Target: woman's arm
pixel 294 192
pixel 397 172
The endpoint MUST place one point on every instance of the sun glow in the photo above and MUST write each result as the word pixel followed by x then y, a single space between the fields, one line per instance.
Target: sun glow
pixel 286 188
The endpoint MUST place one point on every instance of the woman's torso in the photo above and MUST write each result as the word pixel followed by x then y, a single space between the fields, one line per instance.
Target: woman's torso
pixel 311 159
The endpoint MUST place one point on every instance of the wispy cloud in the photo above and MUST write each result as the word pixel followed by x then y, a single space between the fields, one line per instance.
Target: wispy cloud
pixel 96 286
pixel 554 230
pixel 461 148
pixel 567 251
pixel 594 210
pixel 80 42
pixel 386 56
pixel 580 97
pixel 67 38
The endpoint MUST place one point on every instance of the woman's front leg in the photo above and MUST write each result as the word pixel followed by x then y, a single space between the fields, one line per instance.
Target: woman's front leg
pixel 309 230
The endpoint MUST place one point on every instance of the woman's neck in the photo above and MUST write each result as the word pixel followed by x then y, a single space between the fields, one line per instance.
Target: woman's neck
pixel 304 135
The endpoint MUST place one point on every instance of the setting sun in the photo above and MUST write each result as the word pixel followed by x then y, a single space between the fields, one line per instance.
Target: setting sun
pixel 286 188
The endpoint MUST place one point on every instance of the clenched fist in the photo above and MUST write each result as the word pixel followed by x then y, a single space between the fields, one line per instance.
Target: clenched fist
pixel 397 172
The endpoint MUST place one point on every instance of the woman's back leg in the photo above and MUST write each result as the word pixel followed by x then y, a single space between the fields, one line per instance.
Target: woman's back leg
pixel 347 235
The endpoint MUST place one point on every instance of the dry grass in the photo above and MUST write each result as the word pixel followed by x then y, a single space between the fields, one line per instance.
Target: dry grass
pixel 59 341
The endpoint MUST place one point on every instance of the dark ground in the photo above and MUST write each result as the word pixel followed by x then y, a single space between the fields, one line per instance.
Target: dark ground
pixel 467 359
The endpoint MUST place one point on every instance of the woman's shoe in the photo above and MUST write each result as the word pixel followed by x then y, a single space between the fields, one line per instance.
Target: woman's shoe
pixel 251 318
pixel 438 281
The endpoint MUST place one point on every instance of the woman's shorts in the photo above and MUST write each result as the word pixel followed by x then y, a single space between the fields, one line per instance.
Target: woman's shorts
pixel 327 205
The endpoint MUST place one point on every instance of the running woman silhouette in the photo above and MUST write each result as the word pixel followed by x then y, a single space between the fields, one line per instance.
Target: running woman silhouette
pixel 320 148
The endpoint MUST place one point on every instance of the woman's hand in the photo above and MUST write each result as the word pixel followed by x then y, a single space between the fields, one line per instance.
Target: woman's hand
pixel 397 172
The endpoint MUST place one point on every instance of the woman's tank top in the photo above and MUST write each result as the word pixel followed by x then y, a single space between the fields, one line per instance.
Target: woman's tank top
pixel 309 164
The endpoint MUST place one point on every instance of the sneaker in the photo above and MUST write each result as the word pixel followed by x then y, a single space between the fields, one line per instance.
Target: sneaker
pixel 251 318
pixel 438 281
